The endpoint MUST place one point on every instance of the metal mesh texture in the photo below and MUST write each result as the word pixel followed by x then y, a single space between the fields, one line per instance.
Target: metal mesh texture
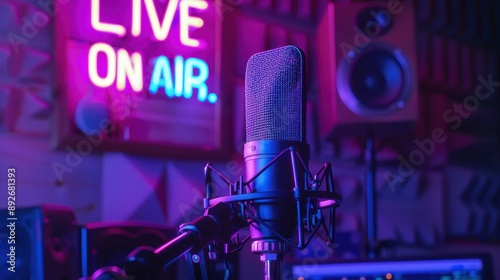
pixel 275 99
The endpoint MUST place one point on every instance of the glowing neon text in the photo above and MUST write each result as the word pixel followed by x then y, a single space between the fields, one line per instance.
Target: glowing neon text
pixel 180 77
pixel 121 66
pixel 185 78
pixel 161 29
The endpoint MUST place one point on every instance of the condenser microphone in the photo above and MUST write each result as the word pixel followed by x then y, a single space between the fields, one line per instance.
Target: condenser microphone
pixel 275 110
pixel 279 196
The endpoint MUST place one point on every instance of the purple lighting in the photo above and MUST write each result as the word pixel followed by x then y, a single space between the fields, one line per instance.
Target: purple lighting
pixel 155 64
pixel 372 268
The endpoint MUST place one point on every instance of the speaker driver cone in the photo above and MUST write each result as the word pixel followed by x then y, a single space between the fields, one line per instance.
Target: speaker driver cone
pixel 374 81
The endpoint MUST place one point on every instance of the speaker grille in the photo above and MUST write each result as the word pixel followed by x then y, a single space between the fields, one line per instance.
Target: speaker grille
pixel 376 81
pixel 274 95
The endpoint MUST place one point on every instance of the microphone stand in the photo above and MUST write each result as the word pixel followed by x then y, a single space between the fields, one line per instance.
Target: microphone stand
pixel 272 265
pixel 225 215
pixel 219 223
pixel 371 198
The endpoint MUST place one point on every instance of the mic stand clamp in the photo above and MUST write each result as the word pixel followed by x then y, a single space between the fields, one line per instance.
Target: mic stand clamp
pixel 305 193
pixel 225 225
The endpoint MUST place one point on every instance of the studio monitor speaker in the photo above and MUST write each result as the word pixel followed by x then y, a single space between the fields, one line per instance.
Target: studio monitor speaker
pixel 44 241
pixel 367 63
pixel 106 245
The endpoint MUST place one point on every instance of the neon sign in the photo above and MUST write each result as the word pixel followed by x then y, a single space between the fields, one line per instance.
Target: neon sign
pixel 124 66
pixel 154 65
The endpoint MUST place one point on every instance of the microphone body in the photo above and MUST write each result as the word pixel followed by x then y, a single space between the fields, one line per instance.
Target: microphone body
pixel 278 213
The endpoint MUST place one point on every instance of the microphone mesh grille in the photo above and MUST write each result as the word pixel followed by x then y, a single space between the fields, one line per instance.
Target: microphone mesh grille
pixel 275 96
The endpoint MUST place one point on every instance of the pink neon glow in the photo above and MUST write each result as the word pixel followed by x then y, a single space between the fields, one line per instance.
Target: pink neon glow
pixel 136 17
pixel 104 27
pixel 97 80
pixel 162 29
pixel 119 69
pixel 120 66
pixel 129 67
pixel 190 21
pixel 161 26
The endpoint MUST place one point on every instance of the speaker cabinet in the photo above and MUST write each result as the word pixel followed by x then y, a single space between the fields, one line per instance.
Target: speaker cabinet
pixel 105 245
pixel 367 61
pixel 46 244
